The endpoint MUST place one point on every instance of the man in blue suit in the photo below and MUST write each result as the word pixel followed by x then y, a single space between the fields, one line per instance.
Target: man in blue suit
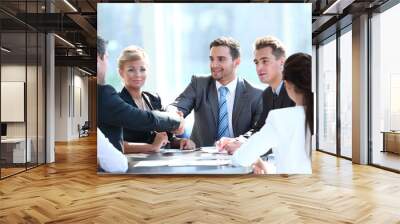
pixel 224 105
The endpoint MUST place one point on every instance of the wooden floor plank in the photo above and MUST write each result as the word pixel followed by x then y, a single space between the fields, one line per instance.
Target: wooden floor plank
pixel 70 191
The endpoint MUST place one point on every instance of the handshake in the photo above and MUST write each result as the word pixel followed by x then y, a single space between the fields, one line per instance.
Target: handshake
pixel 181 127
pixel 178 116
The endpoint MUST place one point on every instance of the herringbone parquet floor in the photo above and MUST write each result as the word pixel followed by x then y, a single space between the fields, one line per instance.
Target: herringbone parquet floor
pixel 70 191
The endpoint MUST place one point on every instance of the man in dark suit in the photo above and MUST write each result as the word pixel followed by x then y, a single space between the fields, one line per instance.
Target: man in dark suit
pixel 269 57
pixel 224 105
pixel 114 113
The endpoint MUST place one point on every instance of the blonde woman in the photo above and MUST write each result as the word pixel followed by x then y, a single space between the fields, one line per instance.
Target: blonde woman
pixel 133 69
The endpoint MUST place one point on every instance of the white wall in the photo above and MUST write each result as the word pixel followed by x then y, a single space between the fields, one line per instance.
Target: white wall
pixel 71 94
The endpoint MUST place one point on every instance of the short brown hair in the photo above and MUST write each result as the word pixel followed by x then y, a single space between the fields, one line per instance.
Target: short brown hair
pixel 101 47
pixel 232 44
pixel 278 49
pixel 131 53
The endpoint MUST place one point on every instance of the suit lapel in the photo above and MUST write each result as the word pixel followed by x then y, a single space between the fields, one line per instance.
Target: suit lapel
pixel 240 98
pixel 281 97
pixel 147 101
pixel 213 100
pixel 126 96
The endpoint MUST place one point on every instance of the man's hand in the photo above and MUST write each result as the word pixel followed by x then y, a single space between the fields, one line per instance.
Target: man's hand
pixel 259 167
pixel 181 128
pixel 186 144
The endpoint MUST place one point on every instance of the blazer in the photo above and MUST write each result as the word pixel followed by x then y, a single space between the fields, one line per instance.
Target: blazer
pixel 202 97
pixel 154 103
pixel 282 101
pixel 113 114
pixel 284 132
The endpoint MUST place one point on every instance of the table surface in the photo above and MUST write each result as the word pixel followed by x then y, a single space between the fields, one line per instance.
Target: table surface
pixel 196 155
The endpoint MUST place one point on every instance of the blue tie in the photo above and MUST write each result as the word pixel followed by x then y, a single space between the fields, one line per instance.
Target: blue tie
pixel 223 126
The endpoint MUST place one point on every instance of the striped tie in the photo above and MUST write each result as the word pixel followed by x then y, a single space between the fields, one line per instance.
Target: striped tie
pixel 223 126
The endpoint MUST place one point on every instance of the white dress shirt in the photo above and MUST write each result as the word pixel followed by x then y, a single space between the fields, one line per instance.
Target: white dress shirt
pixel 284 132
pixel 109 158
pixel 230 100
pixel 278 89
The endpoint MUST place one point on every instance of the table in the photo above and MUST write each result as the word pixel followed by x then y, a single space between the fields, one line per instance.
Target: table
pixel 183 170
pixel 391 141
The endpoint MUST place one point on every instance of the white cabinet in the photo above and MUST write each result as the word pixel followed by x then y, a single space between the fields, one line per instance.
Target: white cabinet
pixel 15 147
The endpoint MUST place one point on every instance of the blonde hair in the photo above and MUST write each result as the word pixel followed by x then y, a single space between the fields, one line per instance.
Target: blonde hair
pixel 131 53
pixel 278 49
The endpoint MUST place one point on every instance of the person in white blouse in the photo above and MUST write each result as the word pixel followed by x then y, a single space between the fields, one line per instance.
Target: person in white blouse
pixel 287 131
pixel 109 158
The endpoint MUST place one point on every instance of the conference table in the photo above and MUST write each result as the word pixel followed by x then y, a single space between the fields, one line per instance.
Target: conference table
pixel 203 161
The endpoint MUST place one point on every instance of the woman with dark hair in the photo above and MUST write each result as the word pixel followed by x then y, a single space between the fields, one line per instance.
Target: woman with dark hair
pixel 287 131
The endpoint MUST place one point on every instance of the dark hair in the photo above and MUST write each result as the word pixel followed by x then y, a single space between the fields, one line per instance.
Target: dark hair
pixel 101 47
pixel 278 50
pixel 232 44
pixel 297 70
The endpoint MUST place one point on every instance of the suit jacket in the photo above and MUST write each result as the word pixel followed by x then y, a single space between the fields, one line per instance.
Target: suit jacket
pixel 201 96
pixel 269 104
pixel 114 114
pixel 154 103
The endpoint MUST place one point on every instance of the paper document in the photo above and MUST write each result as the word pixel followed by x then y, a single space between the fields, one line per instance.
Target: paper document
pixel 179 162
pixel 177 150
pixel 212 149
pixel 137 155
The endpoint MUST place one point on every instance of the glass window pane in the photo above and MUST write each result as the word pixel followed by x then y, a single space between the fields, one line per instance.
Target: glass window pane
pixel 346 94
pixel 327 97
pixel 385 84
pixel 31 97
pixel 41 99
pixel 13 86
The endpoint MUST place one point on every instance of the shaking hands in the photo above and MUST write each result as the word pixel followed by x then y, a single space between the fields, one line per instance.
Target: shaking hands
pixel 181 127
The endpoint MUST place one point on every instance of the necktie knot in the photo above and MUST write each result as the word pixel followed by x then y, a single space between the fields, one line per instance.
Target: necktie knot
pixel 223 90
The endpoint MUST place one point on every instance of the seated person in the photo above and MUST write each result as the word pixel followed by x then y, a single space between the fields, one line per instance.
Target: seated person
pixel 287 131
pixel 269 58
pixel 109 158
pixel 133 69
pixel 113 113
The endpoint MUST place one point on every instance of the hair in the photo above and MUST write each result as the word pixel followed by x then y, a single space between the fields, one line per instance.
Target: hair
pixel 278 49
pixel 232 44
pixel 297 70
pixel 131 53
pixel 101 47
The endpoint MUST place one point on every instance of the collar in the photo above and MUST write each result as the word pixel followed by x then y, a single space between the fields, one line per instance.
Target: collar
pixel 231 86
pixel 278 89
